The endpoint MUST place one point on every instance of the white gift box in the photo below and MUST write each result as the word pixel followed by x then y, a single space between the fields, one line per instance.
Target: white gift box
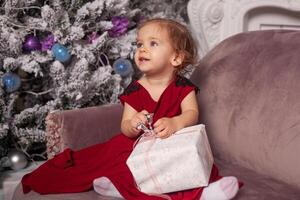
pixel 180 162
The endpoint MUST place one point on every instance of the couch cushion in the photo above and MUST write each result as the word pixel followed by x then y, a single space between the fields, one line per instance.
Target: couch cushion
pixel 250 101
pixel 257 186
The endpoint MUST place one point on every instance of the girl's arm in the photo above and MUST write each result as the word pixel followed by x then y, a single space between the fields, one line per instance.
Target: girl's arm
pixel 165 127
pixel 189 115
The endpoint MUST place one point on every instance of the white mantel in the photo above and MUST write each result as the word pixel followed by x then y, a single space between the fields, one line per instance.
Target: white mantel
pixel 214 20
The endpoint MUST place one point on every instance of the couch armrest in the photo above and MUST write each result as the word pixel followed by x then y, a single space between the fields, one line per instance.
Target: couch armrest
pixel 82 127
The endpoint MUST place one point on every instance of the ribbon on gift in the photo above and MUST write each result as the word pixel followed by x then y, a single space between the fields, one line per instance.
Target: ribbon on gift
pixel 149 134
pixel 152 137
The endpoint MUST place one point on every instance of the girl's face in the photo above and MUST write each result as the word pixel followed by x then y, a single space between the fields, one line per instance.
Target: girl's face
pixel 155 54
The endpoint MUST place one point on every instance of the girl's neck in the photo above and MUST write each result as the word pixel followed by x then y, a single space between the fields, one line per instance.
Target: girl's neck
pixel 159 80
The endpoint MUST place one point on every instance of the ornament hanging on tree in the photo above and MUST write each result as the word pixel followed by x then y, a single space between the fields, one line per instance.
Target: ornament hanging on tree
pixel 123 67
pixel 11 82
pixel 47 42
pixel 120 26
pixel 17 159
pixel 32 43
pixel 60 53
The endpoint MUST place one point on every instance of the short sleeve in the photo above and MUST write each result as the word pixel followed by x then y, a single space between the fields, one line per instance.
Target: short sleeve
pixel 186 87
pixel 131 96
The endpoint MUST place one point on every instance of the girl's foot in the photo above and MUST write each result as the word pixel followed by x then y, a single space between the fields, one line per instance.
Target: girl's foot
pixel 105 187
pixel 223 189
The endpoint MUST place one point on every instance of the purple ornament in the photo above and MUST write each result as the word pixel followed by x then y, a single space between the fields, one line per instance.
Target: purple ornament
pixel 31 43
pixel 92 37
pixel 120 26
pixel 47 42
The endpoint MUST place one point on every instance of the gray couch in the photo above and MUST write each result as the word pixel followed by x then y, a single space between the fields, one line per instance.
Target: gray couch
pixel 250 102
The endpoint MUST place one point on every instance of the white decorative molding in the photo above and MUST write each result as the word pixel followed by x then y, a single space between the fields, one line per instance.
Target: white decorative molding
pixel 213 21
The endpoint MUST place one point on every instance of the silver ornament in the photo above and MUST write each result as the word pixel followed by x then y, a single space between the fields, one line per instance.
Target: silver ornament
pixel 17 159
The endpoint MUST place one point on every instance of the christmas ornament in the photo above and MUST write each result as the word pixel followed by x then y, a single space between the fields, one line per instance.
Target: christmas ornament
pixel 47 42
pixel 31 43
pixel 11 82
pixel 123 67
pixel 17 159
pixel 92 37
pixel 61 53
pixel 120 26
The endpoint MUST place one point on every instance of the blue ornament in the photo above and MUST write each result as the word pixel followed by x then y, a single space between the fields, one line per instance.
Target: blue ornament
pixel 60 53
pixel 11 82
pixel 123 67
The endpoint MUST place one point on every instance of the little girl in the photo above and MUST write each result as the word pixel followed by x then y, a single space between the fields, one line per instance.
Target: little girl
pixel 164 48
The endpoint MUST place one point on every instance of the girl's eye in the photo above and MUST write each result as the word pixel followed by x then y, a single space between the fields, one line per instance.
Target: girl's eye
pixel 139 44
pixel 153 44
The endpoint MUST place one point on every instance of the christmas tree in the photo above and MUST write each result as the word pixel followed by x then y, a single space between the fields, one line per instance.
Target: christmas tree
pixel 58 55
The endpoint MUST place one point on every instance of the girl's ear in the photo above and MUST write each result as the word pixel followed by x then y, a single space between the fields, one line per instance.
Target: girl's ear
pixel 177 59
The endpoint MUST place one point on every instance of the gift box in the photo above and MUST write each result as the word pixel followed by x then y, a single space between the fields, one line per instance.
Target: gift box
pixel 180 162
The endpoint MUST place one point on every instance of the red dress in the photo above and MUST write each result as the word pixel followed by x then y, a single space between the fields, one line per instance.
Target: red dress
pixel 74 171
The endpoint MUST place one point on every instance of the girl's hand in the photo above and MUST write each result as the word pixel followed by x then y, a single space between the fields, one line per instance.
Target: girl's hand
pixel 138 118
pixel 165 127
